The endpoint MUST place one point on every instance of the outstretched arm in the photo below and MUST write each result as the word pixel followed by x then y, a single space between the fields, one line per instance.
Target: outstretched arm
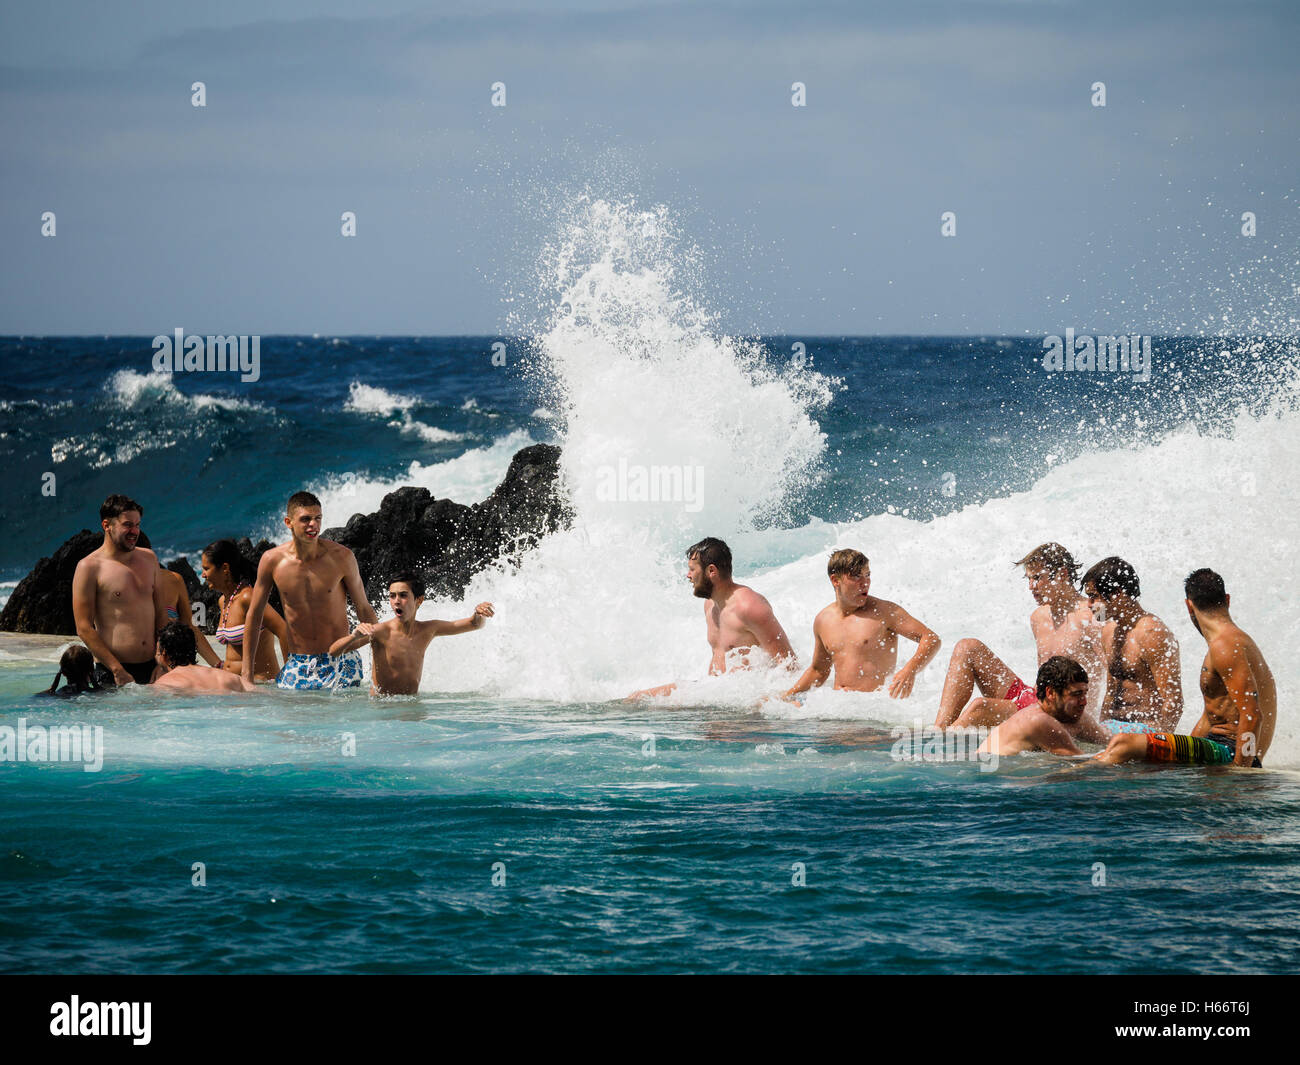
pixel 905 625
pixel 359 637
pixel 475 621
pixel 815 675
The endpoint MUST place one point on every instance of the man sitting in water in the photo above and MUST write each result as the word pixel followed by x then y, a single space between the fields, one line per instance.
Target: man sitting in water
pixel 177 655
pixel 858 635
pixel 736 618
pixel 1240 713
pixel 1058 718
pixel 315 577
pixel 1062 624
pixel 1144 691
pixel 398 645
pixel 113 597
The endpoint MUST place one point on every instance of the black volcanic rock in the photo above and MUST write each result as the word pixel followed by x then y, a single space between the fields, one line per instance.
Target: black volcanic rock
pixel 444 542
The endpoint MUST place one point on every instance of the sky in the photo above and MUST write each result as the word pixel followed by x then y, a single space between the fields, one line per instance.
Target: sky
pixel 819 219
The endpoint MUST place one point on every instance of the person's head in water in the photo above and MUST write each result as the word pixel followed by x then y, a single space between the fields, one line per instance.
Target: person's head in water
pixel 405 594
pixel 78 665
pixel 224 566
pixel 302 515
pixel 1205 595
pixel 1051 572
pixel 709 562
pixel 176 646
pixel 850 574
pixel 1111 582
pixel 119 516
pixel 1062 688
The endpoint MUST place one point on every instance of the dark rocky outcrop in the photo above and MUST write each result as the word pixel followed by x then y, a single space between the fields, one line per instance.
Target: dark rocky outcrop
pixel 444 542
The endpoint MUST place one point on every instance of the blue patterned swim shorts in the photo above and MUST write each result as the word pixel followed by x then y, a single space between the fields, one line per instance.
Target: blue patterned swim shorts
pixel 317 672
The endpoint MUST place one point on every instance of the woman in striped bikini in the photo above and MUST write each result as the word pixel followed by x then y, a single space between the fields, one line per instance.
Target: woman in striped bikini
pixel 226 570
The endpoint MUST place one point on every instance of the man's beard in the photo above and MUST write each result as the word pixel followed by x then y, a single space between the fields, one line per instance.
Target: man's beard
pixel 120 542
pixel 704 590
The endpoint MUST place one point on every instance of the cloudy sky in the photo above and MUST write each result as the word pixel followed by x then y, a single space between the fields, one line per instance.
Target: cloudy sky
pixel 815 219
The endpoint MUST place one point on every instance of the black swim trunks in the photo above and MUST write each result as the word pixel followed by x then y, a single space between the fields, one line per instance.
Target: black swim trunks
pixel 141 673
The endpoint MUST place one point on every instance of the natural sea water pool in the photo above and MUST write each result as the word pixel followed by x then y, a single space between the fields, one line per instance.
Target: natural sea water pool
pixel 469 834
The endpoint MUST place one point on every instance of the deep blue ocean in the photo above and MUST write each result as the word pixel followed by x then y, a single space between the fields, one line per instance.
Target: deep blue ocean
pixel 516 816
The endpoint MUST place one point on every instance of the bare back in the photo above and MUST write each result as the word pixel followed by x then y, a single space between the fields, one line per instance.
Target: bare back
pixel 736 626
pixel 1143 681
pixel 1220 707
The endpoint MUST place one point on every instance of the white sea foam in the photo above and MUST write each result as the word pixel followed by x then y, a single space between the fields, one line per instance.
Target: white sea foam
pixel 132 389
pixel 367 399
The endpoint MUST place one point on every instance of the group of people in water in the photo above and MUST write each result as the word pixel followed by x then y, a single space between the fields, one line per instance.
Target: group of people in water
pixel 137 627
pixel 1108 669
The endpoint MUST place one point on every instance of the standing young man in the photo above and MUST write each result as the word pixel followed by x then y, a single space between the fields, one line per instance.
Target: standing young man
pixel 113 597
pixel 315 577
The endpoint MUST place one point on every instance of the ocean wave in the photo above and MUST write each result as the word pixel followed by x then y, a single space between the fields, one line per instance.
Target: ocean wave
pixel 132 390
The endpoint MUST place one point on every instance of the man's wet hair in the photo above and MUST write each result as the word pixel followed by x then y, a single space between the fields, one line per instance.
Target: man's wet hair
pixel 1205 589
pixel 1053 558
pixel 1112 575
pixel 712 552
pixel 416 585
pixel 1058 673
pixel 116 505
pixel 176 642
pixel 847 560
pixel 301 499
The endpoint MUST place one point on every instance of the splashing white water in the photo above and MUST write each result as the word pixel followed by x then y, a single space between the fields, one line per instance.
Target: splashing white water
pixel 604 608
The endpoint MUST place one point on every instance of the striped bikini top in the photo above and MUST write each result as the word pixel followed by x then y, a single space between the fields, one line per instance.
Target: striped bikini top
pixel 233 634
pixel 173 613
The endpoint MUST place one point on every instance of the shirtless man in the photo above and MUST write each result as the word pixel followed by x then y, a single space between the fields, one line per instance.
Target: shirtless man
pixel 858 635
pixel 736 618
pixel 177 657
pixel 398 645
pixel 314 577
pixel 113 597
pixel 1144 691
pixel 1062 624
pixel 1059 717
pixel 1240 713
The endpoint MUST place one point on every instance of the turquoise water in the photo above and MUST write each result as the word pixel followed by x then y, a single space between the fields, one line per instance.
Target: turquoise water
pixel 617 858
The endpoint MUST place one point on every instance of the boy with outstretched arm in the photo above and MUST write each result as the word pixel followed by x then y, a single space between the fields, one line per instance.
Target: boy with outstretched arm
pixel 398 645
